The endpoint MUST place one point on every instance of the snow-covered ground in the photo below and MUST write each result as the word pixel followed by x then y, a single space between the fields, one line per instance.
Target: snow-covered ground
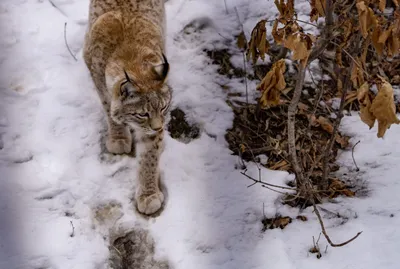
pixel 55 173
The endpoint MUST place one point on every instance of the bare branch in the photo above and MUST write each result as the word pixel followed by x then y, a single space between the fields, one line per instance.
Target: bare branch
pixel 265 183
pixel 291 124
pixel 326 234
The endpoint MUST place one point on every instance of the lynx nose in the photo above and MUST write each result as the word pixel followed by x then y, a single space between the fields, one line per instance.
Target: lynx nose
pixel 156 124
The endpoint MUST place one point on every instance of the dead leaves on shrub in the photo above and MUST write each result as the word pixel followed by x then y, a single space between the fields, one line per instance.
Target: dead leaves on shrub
pixel 258 45
pixel 318 8
pixel 272 85
pixel 366 18
pixel 380 108
pixel 291 36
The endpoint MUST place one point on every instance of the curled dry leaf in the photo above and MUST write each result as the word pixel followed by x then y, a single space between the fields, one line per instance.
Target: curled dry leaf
pixel 281 165
pixel 318 8
pixel 258 44
pixel 278 222
pixel 286 10
pixel 338 187
pixel 325 124
pixel 343 141
pixel 357 76
pixel 379 47
pixel 383 107
pixel 300 44
pixel 302 218
pixel 364 97
pixel 382 5
pixel 272 85
pixel 366 18
pixel 242 41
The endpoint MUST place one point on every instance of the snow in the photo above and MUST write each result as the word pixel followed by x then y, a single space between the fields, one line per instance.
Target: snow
pixel 56 174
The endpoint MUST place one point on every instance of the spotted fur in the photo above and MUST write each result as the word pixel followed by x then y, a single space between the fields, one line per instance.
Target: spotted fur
pixel 125 53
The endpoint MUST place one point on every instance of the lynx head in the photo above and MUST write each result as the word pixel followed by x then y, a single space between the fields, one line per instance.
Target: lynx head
pixel 141 97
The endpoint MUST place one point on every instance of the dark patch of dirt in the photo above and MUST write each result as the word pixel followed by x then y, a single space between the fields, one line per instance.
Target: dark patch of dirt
pixel 180 129
pixel 135 250
pixel 225 67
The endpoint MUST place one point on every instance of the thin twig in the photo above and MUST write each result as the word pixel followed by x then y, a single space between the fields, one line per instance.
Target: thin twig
pixel 352 155
pixel 66 43
pixel 265 183
pixel 306 22
pixel 226 7
pixel 72 234
pixel 352 58
pixel 326 234
pixel 56 7
pixel 244 60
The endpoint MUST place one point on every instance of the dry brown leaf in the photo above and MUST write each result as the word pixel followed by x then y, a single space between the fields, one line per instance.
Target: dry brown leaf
pixel 365 99
pixel 348 193
pixel 286 10
pixel 379 47
pixel 317 9
pixel 393 44
pixel 277 33
pixel 357 76
pixel 338 187
pixel 242 41
pixel 258 44
pixel 382 5
pixel 300 45
pixel 272 85
pixel 383 108
pixel 281 165
pixel 302 218
pixel 366 18
pixel 384 35
pixel 263 46
pixel 303 108
pixel 278 222
pixel 343 141
pixel 325 124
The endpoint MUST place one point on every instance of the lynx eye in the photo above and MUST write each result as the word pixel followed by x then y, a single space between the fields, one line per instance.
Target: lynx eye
pixel 165 108
pixel 142 115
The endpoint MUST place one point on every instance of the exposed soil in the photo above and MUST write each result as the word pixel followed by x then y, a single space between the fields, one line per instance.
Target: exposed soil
pixel 135 250
pixel 180 129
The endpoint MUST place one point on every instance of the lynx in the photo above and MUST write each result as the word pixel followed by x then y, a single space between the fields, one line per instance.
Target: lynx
pixel 124 52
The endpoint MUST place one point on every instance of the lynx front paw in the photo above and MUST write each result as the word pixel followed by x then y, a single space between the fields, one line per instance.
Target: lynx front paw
pixel 119 146
pixel 149 204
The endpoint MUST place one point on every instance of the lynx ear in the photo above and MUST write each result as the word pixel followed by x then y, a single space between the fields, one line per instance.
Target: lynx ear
pixel 161 70
pixel 126 88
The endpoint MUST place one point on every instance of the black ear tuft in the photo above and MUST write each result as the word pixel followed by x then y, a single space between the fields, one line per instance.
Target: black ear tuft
pixel 127 87
pixel 162 70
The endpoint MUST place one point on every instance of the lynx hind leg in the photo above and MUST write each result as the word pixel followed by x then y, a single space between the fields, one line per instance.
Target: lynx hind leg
pixel 119 138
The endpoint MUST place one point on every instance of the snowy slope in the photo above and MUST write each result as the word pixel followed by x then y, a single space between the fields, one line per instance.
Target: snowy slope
pixel 56 173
